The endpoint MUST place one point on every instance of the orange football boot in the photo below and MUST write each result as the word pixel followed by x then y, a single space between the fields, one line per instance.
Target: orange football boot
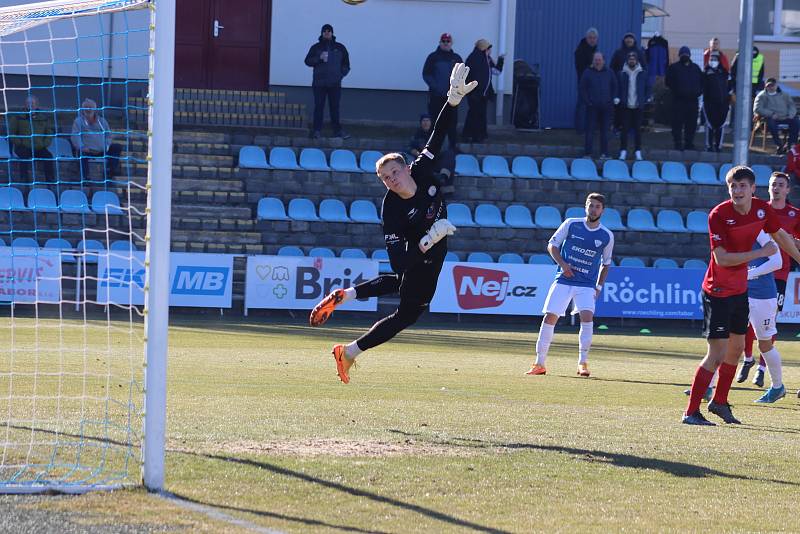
pixel 343 364
pixel 537 370
pixel 324 309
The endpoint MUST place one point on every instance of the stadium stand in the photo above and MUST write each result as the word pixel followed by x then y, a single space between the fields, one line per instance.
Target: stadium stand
pixel 584 169
pixel 333 210
pixel 467 165
pixel 697 222
pixel 290 250
pixel 496 167
pixel 525 167
pixel 106 202
pixel 343 160
pixel 646 171
pixel 670 221
pixel 641 220
pixel 631 261
pixel 302 209
pixel 40 199
pixel 519 217
pixel 479 257
pixel 364 211
pixel 541 259
pixel 74 201
pixel 695 264
pixel 252 157
pixel 271 209
pixel 313 159
pixel 11 199
pixel 64 246
pixel 459 215
pixel 547 217
pixel 510 257
pixel 353 253
pixel 283 158
pixel 665 263
pixel 674 173
pixel 555 168
pixel 616 170
pixel 368 160
pixel 704 173
pixel 488 215
pixel 321 252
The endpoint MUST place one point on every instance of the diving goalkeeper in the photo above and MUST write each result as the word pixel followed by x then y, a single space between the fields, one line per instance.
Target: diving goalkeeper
pixel 415 228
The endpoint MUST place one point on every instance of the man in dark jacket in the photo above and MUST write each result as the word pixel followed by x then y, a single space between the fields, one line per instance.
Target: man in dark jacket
pixel 481 65
pixel 620 56
pixel 657 58
pixel 331 63
pixel 599 94
pixel 715 100
pixel 685 82
pixel 583 60
pixel 436 74
pixel 31 133
pixel 634 92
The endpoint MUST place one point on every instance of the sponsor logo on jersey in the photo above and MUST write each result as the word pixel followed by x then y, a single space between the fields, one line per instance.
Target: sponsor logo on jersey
pixel 730 221
pixel 485 288
pixel 760 214
pixel 575 236
pixel 792 213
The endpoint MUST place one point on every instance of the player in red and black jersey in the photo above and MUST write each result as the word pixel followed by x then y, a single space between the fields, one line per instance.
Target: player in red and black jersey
pixel 733 227
pixel 415 230
pixel 789 217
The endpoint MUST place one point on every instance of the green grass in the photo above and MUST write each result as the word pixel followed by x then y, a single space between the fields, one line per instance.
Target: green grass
pixel 440 431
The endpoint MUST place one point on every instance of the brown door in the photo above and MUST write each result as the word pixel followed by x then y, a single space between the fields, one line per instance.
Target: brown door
pixel 222 44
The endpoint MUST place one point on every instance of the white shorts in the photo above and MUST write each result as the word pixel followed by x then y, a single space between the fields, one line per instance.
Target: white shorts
pixel 560 295
pixel 762 317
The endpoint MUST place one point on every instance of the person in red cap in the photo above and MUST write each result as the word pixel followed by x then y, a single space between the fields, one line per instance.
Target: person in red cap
pixel 436 74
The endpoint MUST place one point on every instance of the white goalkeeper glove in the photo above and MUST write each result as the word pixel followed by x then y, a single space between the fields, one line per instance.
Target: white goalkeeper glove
pixel 458 84
pixel 438 231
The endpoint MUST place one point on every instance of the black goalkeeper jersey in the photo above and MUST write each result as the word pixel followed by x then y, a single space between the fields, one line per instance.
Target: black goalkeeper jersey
pixel 405 221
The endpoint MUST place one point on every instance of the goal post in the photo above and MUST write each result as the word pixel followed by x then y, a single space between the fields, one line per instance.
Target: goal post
pixel 85 217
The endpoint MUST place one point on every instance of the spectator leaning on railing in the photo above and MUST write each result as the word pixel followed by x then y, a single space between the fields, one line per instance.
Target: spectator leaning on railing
pixel 91 138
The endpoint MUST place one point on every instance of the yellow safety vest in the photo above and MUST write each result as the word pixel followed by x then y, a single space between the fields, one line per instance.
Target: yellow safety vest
pixel 758 62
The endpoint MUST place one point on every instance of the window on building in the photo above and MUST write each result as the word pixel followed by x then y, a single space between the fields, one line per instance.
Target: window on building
pixel 777 19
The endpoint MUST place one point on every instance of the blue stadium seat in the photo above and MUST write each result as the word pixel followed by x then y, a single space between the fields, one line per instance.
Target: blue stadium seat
pixel 106 202
pixel 252 157
pixel 353 253
pixel 665 263
pixel 510 257
pixel 555 168
pixel 575 212
pixel 90 249
pixel 697 222
pixel 612 220
pixel 24 242
pixel 42 200
pixel 368 160
pixel 525 167
pixel 281 157
pixel 271 209
pixel 74 201
pixel 762 173
pixel 60 148
pixel 451 256
pixel 333 210
pixel 64 246
pixel 695 264
pixel 383 257
pixel 496 167
pixel 122 246
pixel 547 217
pixel 519 217
pixel 631 262
pixel 723 170
pixel 459 215
pixel 646 171
pixel 584 169
pixel 313 159
pixel 670 221
pixel 541 259
pixel 321 252
pixel 11 199
pixel 479 257
pixel 641 220
pixel 343 160
pixel 488 215
pixel 674 172
pixel 5 150
pixel 364 211
pixel 616 170
pixel 467 165
pixel 290 250
pixel 302 209
pixel 704 173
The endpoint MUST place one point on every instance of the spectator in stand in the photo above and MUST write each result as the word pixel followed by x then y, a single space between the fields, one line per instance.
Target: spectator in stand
pixel 757 74
pixel 583 60
pixel 444 165
pixel 777 108
pixel 713 48
pixel 481 67
pixel 620 56
pixel 91 138
pixel 421 136
pixel 598 91
pixel 331 63
pixel 31 133
pixel 436 74
pixel 716 100
pixel 634 92
pixel 685 81
pixel 657 58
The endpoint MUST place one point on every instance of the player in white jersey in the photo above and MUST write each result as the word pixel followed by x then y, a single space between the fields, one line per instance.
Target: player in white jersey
pixel 582 249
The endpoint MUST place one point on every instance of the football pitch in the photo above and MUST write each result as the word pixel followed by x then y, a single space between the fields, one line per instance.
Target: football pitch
pixel 440 431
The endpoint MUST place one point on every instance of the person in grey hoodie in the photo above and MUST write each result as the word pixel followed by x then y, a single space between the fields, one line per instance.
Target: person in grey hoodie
pixel 634 92
pixel 598 91
pixel 91 138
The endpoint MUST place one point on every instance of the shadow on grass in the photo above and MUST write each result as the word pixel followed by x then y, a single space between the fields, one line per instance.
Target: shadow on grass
pixel 349 490
pixel 679 469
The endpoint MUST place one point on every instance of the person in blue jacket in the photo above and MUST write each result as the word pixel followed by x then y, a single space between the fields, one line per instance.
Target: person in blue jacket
pixel 598 90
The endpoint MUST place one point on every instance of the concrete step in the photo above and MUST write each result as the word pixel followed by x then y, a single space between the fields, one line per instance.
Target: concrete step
pixel 196 118
pixel 228 95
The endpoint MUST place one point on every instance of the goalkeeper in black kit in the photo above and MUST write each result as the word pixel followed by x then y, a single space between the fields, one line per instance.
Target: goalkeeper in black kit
pixel 415 227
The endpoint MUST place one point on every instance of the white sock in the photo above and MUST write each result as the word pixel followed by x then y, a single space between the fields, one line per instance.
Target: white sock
pixel 349 294
pixel 585 341
pixel 748 359
pixel 543 342
pixel 773 359
pixel 762 368
pixel 714 379
pixel 351 350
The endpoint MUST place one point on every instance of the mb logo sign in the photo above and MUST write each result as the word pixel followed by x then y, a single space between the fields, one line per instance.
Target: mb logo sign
pixel 196 280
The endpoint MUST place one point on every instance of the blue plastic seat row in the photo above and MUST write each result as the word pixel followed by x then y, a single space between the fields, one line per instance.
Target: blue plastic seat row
pixel 330 210
pixel 663 263
pixel 71 201
pixel 88 247
pixel 311 159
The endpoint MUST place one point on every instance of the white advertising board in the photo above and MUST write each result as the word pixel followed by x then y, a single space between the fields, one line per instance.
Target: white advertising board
pixel 30 275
